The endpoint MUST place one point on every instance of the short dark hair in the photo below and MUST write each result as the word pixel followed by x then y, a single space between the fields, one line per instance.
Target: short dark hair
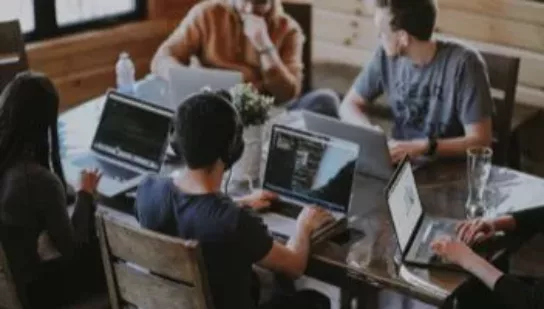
pixel 417 17
pixel 205 126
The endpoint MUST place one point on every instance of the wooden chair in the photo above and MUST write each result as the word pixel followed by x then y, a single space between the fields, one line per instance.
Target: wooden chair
pixel 13 58
pixel 503 77
pixel 150 270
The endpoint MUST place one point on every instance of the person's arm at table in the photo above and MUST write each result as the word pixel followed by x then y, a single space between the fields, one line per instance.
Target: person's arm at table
pixel 474 108
pixel 183 43
pixel 508 290
pixel 479 230
pixel 292 259
pixel 365 89
pixel 66 233
pixel 281 66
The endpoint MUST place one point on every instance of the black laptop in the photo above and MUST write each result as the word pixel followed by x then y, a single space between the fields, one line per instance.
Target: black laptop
pixel 306 168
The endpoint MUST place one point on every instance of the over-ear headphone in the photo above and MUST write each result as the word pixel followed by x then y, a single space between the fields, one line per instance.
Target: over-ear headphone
pixel 235 147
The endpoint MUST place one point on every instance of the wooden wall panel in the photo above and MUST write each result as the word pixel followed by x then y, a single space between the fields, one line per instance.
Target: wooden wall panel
pixel 82 66
pixel 510 27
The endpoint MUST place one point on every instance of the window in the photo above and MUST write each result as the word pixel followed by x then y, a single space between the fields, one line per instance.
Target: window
pixel 69 12
pixel 20 9
pixel 58 17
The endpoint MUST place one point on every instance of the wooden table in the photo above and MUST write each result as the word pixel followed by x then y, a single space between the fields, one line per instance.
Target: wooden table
pixel 365 257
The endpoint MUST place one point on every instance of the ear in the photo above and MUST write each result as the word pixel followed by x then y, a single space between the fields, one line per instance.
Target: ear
pixel 404 38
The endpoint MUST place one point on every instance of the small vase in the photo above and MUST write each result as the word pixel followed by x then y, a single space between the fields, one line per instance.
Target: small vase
pixel 248 167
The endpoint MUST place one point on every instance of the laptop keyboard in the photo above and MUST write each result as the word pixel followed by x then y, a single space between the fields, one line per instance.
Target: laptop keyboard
pixel 286 209
pixel 440 228
pixel 107 169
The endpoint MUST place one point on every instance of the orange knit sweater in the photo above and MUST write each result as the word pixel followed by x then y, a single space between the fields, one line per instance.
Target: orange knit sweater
pixel 213 32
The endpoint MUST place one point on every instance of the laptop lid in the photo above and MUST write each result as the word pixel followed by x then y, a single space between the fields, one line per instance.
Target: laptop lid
pixel 311 168
pixel 185 81
pixel 133 131
pixel 404 205
pixel 374 156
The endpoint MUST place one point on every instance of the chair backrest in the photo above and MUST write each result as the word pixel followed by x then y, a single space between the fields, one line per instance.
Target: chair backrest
pixel 150 270
pixel 503 76
pixel 302 13
pixel 13 58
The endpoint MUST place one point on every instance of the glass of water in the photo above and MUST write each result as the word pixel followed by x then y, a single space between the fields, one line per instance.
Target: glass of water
pixel 478 170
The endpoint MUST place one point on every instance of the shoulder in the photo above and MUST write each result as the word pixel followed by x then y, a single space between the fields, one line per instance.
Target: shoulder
pixel 30 179
pixel 210 8
pixel 34 174
pixel 462 54
pixel 285 25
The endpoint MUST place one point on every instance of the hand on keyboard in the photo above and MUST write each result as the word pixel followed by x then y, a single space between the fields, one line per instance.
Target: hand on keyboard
pixel 454 251
pixel 258 200
pixel 89 180
pixel 312 218
pixel 475 231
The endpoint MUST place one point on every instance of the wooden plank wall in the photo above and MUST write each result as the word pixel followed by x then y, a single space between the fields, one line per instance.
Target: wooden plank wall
pixel 82 66
pixel 514 27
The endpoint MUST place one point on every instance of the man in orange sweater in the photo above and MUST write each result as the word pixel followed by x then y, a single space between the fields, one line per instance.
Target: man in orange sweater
pixel 255 37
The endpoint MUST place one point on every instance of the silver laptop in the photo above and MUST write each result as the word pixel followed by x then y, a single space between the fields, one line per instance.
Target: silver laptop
pixel 185 81
pixel 374 157
pixel 129 143
pixel 414 228
pixel 304 169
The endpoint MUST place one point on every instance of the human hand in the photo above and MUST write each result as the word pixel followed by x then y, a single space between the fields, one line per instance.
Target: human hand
pixel 258 200
pixel 399 149
pixel 256 31
pixel 475 231
pixel 454 251
pixel 88 180
pixel 312 218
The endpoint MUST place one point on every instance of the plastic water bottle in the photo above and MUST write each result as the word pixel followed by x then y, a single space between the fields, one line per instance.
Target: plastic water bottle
pixel 125 72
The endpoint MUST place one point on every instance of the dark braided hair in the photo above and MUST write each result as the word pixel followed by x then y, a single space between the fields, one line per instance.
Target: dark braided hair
pixel 28 123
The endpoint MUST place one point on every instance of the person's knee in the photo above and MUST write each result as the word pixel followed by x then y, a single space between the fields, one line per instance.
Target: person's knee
pixel 322 101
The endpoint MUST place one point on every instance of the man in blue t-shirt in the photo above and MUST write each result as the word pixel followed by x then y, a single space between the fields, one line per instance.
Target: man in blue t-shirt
pixel 207 131
pixel 438 91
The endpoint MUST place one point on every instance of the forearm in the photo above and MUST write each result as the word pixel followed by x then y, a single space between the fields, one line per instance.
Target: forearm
pixel 278 79
pixel 300 246
pixel 83 216
pixel 483 270
pixel 163 61
pixel 457 146
pixel 353 114
pixel 504 223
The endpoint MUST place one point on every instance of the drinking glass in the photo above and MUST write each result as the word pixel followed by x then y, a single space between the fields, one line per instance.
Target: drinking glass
pixel 478 169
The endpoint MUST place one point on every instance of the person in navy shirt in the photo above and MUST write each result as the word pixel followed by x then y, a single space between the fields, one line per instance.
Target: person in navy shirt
pixel 207 131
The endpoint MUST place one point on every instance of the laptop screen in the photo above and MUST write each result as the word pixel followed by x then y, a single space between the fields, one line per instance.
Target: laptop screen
pixel 404 204
pixel 311 168
pixel 133 131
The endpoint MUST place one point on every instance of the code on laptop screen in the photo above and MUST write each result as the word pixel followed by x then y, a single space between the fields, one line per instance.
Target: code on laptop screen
pixel 311 168
pixel 132 131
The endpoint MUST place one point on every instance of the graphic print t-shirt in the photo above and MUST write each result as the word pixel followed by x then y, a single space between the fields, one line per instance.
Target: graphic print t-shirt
pixel 435 99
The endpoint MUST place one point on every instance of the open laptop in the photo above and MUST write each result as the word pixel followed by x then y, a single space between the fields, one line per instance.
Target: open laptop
pixel 185 81
pixel 374 158
pixel 415 229
pixel 306 168
pixel 129 143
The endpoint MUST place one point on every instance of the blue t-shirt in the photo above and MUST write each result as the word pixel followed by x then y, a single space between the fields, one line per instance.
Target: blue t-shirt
pixel 232 239
pixel 436 99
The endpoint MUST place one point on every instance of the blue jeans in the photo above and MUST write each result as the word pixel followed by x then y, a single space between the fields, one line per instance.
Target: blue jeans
pixel 321 101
